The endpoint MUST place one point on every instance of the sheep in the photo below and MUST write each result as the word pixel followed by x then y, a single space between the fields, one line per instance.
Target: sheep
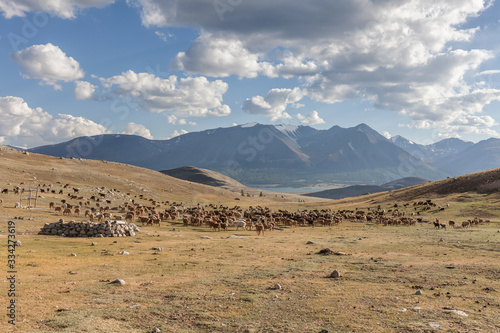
pixel 451 223
pixel 17 205
pixel 465 224
pixel 241 224
pixel 52 205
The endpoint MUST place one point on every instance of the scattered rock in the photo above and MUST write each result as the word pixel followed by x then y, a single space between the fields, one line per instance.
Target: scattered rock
pixel 93 244
pixel 441 240
pixel 133 306
pixel 458 312
pixel 418 292
pixel 124 252
pixel 434 325
pixel 276 287
pixel 335 274
pixel 73 254
pixel 175 230
pixel 237 236
pixel 206 237
pixel 118 281
pixel 402 310
pixel 72 272
pixel 310 242
pixel 157 249
pixel 18 243
pixel 64 309
pixel 156 330
pixel 326 251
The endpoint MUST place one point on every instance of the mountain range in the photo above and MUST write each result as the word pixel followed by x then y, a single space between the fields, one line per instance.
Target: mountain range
pixel 290 156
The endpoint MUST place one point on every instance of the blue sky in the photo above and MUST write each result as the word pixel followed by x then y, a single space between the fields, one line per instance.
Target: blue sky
pixel 423 69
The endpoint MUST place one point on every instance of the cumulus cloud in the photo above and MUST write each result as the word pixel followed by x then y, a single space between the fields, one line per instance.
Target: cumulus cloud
pixel 191 96
pixel 274 104
pixel 66 9
pixel 401 55
pixel 25 127
pixel 84 90
pixel 137 129
pixel 220 57
pixel 312 118
pixel 49 64
pixel 177 133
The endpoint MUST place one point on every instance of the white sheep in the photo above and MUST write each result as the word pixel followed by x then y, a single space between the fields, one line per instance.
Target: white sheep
pixel 241 224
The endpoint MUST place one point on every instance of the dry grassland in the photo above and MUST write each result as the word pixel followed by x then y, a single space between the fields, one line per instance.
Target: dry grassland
pixel 225 283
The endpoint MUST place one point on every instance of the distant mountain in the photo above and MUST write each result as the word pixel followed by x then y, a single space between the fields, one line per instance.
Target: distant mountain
pixel 285 155
pixel 481 156
pixel 432 152
pixel 356 190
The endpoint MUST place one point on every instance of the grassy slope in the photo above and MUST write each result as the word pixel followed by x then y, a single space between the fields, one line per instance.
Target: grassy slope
pixel 221 284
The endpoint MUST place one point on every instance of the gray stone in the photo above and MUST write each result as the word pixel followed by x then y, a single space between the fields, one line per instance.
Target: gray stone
pixel 118 281
pixel 419 292
pixel 335 274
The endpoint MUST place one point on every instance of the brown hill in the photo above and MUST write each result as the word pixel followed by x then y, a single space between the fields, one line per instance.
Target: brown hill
pixel 206 177
pixel 32 169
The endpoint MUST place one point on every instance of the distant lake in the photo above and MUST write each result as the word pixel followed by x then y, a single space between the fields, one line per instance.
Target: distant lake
pixel 291 189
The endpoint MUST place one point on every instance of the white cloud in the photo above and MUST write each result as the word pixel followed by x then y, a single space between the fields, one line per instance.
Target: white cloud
pixel 172 119
pixel 312 118
pixel 49 64
pixel 221 58
pixel 401 55
pixel 386 134
pixel 274 104
pixel 177 133
pixel 26 127
pixel 137 129
pixel 163 36
pixel 66 9
pixel 191 96
pixel 84 90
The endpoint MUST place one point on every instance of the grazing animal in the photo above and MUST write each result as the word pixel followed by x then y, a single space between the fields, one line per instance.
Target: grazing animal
pixel 443 226
pixel 259 228
pixel 5 191
pixel 52 205
pixel 437 225
pixel 17 205
pixel 241 224
pixel 451 223
pixel 465 224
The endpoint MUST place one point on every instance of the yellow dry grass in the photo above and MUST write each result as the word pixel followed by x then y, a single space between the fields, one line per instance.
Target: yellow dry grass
pixel 223 283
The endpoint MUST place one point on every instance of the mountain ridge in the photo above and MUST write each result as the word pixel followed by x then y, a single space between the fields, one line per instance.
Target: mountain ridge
pixel 258 154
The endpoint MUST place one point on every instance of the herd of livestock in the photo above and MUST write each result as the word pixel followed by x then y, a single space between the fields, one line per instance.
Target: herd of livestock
pixel 219 217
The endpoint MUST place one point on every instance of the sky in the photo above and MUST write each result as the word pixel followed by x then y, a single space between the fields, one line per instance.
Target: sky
pixel 423 69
